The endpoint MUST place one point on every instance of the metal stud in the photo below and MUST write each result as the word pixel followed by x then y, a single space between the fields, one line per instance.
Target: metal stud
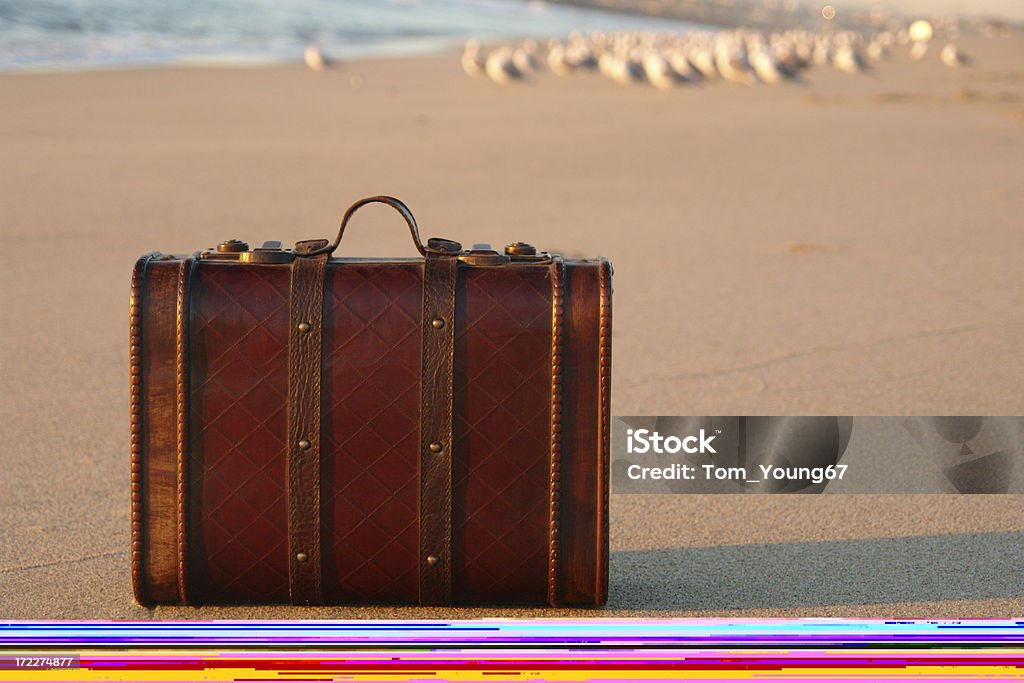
pixel 433 560
pixel 304 444
pixel 304 327
pixel 438 323
pixel 302 557
pixel 436 447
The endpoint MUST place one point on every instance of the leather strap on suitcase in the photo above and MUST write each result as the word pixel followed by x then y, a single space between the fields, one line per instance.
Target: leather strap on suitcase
pixel 306 302
pixel 440 269
pixel 439 276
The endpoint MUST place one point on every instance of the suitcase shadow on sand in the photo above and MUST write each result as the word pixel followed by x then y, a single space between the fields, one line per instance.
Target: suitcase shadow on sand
pixel 806 574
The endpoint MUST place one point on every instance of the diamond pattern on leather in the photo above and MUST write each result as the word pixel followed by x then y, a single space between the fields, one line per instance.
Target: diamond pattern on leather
pixel 500 473
pixel 370 450
pixel 371 432
pixel 238 544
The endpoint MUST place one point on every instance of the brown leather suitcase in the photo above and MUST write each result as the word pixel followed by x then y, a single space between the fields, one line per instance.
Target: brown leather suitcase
pixel 317 430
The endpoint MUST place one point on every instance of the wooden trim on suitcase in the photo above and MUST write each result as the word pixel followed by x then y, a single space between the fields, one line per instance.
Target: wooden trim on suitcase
pixel 182 416
pixel 135 304
pixel 583 528
pixel 554 495
pixel 155 445
pixel 604 459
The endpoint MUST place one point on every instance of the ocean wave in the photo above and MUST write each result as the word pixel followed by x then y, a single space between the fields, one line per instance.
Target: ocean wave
pixel 83 34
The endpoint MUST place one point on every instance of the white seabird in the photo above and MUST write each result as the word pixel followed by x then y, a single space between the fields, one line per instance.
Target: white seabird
pixel 733 66
pixel 766 68
pixel 681 65
pixel 848 60
pixel 315 59
pixel 500 67
pixel 617 68
pixel 558 61
pixel 473 59
pixel 580 55
pixel 877 50
pixel 822 53
pixel 524 57
pixel 703 61
pixel 658 72
pixel 952 57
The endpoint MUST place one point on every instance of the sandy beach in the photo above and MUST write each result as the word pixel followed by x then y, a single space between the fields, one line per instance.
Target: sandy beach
pixel 848 246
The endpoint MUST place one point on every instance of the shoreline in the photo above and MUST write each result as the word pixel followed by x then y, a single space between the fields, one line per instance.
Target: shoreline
pixel 156 47
pixel 223 65
pixel 703 17
pixel 241 62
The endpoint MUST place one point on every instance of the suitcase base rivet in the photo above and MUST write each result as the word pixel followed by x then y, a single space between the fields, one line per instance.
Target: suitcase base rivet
pixel 433 560
pixel 438 323
pixel 304 445
pixel 436 447
pixel 302 557
pixel 304 327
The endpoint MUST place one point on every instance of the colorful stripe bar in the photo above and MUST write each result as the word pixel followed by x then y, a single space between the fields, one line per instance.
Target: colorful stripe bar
pixel 546 632
pixel 565 650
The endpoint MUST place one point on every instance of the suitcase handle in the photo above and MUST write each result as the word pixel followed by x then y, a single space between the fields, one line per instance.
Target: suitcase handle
pixel 434 245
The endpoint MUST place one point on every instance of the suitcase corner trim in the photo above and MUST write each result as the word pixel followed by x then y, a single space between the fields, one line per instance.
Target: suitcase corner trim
pixel 135 304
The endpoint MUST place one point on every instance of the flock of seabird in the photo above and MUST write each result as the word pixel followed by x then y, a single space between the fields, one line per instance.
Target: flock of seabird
pixel 745 56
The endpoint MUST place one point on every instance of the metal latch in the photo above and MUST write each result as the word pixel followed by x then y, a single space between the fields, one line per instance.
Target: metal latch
pixel 270 252
pixel 483 255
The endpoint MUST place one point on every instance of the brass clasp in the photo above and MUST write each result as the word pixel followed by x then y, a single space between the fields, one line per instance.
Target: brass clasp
pixel 483 257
